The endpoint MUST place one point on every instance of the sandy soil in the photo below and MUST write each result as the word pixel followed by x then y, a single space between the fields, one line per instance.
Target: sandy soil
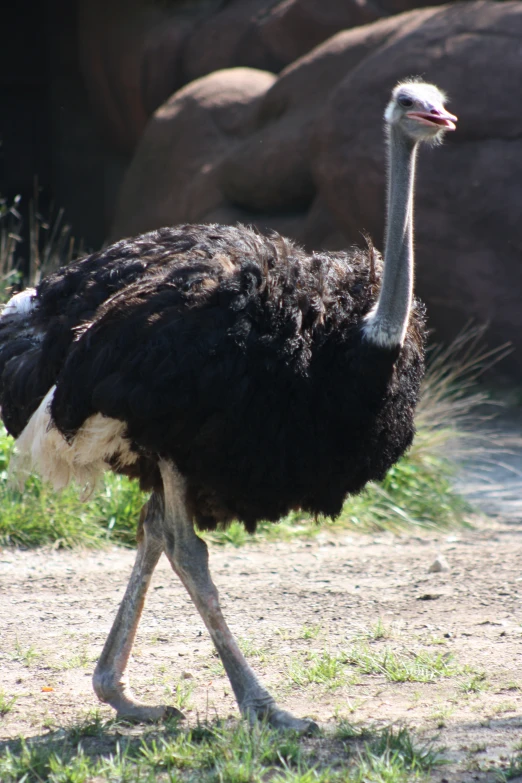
pixel 284 600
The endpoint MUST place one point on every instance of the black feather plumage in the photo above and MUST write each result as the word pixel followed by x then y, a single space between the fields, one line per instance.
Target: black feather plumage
pixel 237 356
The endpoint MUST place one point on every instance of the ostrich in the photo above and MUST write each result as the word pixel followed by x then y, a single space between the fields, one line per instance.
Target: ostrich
pixel 234 375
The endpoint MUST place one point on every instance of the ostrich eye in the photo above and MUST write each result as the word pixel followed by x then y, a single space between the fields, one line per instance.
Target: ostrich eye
pixel 405 101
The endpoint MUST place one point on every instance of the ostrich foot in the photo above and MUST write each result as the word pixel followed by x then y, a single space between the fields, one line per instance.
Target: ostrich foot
pixel 127 707
pixel 285 721
pixel 269 712
pixel 134 712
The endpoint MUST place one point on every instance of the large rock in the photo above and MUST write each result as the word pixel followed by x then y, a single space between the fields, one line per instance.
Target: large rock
pixel 135 53
pixel 257 169
pixel 271 35
pixel 305 154
pixel 172 178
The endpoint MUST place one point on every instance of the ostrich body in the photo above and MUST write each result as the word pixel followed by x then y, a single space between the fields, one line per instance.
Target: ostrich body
pixel 234 375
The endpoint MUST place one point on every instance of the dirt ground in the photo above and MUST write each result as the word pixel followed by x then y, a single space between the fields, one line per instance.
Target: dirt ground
pixel 284 600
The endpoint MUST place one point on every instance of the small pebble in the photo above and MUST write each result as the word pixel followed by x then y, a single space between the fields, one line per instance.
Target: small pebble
pixel 439 564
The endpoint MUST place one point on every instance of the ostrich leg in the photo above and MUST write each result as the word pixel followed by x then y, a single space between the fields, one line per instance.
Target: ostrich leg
pixel 188 555
pixel 110 681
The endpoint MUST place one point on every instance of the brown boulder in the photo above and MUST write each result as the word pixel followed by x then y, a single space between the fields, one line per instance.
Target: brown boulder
pixel 190 167
pixel 135 53
pixel 306 155
pixel 172 178
pixel 271 35
pixel 270 169
pixel 267 35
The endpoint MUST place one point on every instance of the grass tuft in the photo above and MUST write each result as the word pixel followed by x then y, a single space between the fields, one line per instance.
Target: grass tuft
pixel 50 245
pixel 475 683
pixel 6 703
pixel 319 668
pixel 512 771
pixel 182 694
pixel 396 666
pixel 400 745
pixel 92 726
pixel 26 655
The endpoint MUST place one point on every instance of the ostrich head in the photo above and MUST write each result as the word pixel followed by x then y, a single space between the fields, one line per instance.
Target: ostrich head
pixel 417 109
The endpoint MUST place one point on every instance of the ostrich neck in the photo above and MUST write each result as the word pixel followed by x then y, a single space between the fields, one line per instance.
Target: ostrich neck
pixel 386 324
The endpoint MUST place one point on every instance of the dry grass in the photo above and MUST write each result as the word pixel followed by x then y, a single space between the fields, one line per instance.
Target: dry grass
pixel 49 245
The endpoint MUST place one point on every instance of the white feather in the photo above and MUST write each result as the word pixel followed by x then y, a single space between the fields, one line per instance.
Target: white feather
pixel 20 304
pixel 385 335
pixel 42 448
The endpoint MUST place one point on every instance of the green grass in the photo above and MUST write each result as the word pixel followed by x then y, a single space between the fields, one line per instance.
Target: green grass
pixel 336 670
pixel 26 655
pixel 310 631
pixel 379 630
pixel 513 770
pixel 77 661
pixel 6 703
pixel 475 683
pixel 400 665
pixel 92 726
pixel 400 746
pixel 215 753
pixel 38 515
pixel 320 668
pixel 182 694
pixel 442 713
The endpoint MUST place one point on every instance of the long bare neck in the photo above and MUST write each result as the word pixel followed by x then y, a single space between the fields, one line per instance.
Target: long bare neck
pixel 386 324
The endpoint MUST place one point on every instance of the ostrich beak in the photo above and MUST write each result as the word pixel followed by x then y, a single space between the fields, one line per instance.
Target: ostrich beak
pixel 439 117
